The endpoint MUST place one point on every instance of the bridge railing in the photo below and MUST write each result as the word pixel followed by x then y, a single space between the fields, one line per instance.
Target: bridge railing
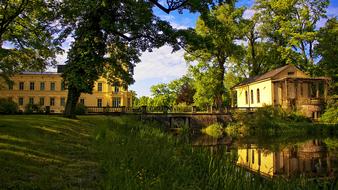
pixel 151 109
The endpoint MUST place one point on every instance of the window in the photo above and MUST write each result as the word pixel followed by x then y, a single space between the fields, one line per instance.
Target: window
pixel 252 96
pixel 52 101
pixel 20 101
pixel 258 96
pixel 10 86
pixel 99 103
pixel 116 101
pixel 42 85
pixel 291 73
pixel 247 155
pixel 21 85
pixel 253 156
pixel 82 101
pixel 42 101
pixel 116 89
pixel 52 86
pixel 301 89
pixel 259 157
pixel 31 100
pixel 99 87
pixel 63 101
pixel 31 86
pixel 63 86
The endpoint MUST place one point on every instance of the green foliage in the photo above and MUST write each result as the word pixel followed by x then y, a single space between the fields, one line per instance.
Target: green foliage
pixel 265 120
pixel 8 106
pixel 33 108
pixel 212 47
pixel 80 109
pixel 215 130
pixel 330 115
pixel 328 50
pixel 27 27
pixel 291 27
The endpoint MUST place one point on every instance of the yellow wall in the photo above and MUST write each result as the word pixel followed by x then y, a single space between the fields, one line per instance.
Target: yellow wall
pixel 264 91
pixel 249 158
pixel 106 95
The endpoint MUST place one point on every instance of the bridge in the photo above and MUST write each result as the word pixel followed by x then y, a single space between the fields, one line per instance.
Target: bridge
pixel 189 116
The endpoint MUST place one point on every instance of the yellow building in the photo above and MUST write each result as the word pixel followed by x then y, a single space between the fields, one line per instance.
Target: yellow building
pixel 46 89
pixel 311 158
pixel 287 87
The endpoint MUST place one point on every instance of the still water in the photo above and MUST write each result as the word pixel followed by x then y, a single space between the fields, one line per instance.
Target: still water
pixel 271 156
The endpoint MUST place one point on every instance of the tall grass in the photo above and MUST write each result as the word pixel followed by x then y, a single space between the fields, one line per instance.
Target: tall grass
pixel 141 156
pixel 103 152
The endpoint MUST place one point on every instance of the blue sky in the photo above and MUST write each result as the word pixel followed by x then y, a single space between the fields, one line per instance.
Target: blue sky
pixel 161 65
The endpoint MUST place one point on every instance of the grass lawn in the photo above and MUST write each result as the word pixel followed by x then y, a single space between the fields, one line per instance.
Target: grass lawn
pixel 104 152
pixel 47 152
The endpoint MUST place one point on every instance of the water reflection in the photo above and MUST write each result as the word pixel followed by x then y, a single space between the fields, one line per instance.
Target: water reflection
pixel 311 158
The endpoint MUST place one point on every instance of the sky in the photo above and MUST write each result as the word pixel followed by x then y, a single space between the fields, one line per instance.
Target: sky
pixel 163 66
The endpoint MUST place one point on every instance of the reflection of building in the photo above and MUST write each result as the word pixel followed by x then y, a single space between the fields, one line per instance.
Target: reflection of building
pixel 287 87
pixel 310 158
pixel 47 89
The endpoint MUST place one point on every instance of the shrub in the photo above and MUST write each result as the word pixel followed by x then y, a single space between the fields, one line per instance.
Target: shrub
pixel 80 109
pixel 214 130
pixel 8 106
pixel 33 108
pixel 264 120
pixel 330 115
pixel 182 107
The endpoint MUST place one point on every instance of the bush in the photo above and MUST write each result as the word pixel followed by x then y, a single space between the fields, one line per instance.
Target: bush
pixel 182 107
pixel 265 119
pixel 80 109
pixel 330 115
pixel 214 130
pixel 33 108
pixel 8 106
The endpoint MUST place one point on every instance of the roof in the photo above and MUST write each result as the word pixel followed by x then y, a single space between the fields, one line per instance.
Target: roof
pixel 39 73
pixel 266 75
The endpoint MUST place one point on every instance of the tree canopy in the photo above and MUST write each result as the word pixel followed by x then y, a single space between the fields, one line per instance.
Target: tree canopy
pixel 27 36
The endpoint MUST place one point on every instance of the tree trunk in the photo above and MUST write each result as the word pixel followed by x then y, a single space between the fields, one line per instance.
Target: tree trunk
pixel 220 90
pixel 72 99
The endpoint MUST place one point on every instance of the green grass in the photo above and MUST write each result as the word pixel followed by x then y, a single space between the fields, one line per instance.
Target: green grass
pixel 102 152
pixel 47 152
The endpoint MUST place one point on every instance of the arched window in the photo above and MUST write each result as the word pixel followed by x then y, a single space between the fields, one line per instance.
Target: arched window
pixel 246 97
pixel 258 96
pixel 252 97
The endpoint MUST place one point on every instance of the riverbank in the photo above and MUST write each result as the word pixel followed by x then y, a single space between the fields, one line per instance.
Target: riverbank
pixel 269 121
pixel 103 152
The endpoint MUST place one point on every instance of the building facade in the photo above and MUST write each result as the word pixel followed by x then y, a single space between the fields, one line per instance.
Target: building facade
pixel 310 158
pixel 287 87
pixel 47 89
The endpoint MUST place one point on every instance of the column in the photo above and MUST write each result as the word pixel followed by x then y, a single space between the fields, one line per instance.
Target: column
pixel 325 89
pixel 317 89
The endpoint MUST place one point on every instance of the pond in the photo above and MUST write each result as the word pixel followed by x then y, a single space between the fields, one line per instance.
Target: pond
pixel 312 157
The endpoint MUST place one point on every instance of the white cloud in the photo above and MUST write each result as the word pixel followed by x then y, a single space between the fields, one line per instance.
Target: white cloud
pixel 161 64
pixel 249 13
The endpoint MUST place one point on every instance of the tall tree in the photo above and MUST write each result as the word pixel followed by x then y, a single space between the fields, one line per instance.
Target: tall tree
pixel 327 51
pixel 26 35
pixel 291 26
pixel 108 41
pixel 217 33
